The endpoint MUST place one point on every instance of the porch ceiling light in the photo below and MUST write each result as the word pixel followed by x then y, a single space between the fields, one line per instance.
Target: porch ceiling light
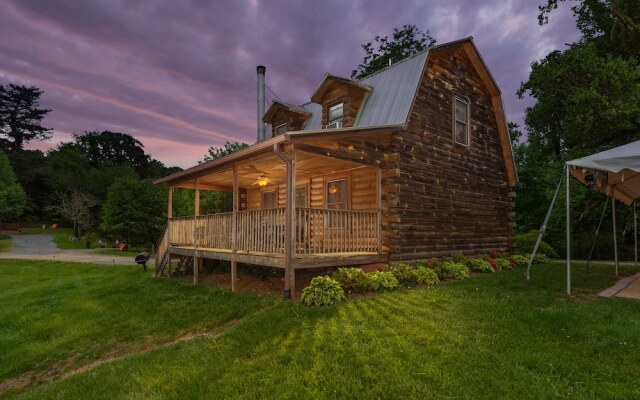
pixel 262 180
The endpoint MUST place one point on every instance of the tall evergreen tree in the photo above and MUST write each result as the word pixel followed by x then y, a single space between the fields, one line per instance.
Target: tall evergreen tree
pixel 21 117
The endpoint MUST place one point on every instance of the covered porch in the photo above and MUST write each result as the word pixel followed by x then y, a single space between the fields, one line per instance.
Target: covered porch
pixel 331 217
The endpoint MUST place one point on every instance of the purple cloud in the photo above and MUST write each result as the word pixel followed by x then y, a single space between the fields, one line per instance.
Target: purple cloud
pixel 180 76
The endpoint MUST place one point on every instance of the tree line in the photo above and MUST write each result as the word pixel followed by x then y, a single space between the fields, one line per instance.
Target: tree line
pixel 99 182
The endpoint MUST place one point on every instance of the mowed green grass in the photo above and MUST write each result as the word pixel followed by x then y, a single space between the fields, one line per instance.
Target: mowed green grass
pixel 481 338
pixel 118 253
pixel 60 316
pixel 5 243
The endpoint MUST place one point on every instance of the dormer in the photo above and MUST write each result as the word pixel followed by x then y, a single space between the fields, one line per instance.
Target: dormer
pixel 341 100
pixel 285 117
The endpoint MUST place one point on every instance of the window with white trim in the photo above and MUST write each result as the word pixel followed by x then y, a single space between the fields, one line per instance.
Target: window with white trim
pixel 280 129
pixel 335 113
pixel 461 121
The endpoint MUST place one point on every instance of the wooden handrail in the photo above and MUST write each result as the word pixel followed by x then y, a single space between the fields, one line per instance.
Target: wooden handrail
pixel 318 231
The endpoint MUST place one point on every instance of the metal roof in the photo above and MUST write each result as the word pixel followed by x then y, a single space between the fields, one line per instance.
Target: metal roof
pixel 394 89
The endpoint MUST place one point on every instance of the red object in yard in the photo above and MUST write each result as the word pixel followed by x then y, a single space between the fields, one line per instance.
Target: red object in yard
pixel 54 226
pixel 123 246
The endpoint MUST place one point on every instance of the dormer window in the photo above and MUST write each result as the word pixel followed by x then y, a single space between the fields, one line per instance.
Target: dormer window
pixel 334 115
pixel 281 129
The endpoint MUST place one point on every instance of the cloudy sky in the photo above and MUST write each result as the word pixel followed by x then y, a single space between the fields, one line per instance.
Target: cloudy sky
pixel 180 75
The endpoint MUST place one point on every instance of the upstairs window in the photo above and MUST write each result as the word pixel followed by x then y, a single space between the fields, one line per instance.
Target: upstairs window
pixel 280 129
pixel 461 122
pixel 334 115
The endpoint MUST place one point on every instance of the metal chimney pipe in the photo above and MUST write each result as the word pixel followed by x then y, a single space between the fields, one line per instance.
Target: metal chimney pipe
pixel 261 73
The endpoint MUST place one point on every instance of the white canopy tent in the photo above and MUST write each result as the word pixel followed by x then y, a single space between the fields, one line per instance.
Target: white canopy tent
pixel 614 172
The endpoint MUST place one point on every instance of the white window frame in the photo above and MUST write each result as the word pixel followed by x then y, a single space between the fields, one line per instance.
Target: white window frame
pixel 467 123
pixel 329 108
pixel 280 126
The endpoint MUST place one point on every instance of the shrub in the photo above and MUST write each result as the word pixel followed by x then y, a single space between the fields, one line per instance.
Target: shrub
pixel 493 263
pixel 322 291
pixel 503 263
pixel 427 276
pixel 479 265
pixel 524 242
pixel 404 273
pixel 382 280
pixel 458 257
pixel 454 270
pixel 433 263
pixel 352 279
pixel 519 261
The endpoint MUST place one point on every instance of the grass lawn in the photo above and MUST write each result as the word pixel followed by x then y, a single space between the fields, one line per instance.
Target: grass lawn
pixel 5 243
pixel 480 338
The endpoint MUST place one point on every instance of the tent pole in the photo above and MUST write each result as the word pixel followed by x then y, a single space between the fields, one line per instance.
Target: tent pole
pixel 568 234
pixel 615 236
pixel 543 228
pixel 595 237
pixel 635 233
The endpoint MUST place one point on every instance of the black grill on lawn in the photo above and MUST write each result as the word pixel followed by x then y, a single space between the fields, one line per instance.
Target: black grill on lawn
pixel 142 259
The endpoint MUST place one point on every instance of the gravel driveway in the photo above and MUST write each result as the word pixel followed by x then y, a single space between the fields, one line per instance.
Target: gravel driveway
pixel 42 247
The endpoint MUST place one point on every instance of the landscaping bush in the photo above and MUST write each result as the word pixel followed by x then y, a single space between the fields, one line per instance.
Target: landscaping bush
pixel 404 273
pixel 458 257
pixel 454 270
pixel 519 261
pixel 352 279
pixel 322 291
pixel 382 280
pixel 493 263
pixel 503 263
pixel 426 275
pixel 479 265
pixel 433 263
pixel 524 242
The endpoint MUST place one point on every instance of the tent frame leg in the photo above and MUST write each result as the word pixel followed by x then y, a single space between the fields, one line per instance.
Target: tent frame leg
pixel 568 204
pixel 615 233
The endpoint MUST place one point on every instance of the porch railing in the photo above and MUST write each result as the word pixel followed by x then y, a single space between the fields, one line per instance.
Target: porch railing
pixel 317 231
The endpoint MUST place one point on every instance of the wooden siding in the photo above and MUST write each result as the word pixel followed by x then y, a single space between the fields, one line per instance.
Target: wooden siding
pixel 446 197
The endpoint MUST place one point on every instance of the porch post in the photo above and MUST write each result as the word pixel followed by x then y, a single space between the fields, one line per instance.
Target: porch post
pixel 568 222
pixel 615 235
pixel 196 212
pixel 379 204
pixel 291 192
pixel 234 231
pixel 169 215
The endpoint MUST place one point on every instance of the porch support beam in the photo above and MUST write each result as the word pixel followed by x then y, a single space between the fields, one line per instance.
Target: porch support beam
pixel 196 212
pixel 234 231
pixel 289 228
pixel 169 215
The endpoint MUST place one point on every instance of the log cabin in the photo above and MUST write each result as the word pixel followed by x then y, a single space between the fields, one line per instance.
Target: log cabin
pixel 411 162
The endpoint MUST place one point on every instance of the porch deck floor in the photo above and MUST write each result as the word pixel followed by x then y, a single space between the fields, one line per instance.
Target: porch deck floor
pixel 276 259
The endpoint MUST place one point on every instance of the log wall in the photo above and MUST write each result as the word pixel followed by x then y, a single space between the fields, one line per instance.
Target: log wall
pixel 445 197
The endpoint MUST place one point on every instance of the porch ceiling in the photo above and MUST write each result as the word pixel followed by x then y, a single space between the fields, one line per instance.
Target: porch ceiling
pixel 307 165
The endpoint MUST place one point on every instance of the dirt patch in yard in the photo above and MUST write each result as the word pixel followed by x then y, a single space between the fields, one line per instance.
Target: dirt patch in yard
pixel 249 283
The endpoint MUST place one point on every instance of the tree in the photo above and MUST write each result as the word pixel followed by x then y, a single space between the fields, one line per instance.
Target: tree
pixel 12 197
pixel 405 42
pixel 613 25
pixel 75 206
pixel 584 100
pixel 21 117
pixel 135 210
pixel 216 152
pixel 112 148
